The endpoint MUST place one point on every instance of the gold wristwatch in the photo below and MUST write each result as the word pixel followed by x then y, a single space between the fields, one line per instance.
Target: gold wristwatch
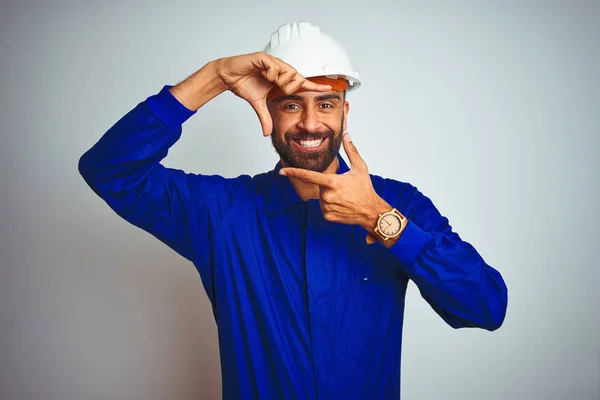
pixel 390 225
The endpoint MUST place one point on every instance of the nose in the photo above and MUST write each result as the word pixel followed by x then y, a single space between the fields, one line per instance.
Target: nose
pixel 309 121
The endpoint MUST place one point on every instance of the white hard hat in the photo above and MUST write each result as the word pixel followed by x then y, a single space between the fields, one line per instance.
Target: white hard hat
pixel 312 52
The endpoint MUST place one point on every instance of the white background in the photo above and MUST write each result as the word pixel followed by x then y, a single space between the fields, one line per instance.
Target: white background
pixel 490 108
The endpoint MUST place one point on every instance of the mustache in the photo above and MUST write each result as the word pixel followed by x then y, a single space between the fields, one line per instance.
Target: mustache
pixel 305 135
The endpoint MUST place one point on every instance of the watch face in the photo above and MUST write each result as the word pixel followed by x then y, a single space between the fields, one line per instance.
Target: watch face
pixel 389 224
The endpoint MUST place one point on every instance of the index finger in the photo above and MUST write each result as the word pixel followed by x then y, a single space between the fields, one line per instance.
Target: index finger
pixel 308 176
pixel 292 85
pixel 315 87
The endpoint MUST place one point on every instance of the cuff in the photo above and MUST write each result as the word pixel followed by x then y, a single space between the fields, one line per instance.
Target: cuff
pixel 167 109
pixel 410 244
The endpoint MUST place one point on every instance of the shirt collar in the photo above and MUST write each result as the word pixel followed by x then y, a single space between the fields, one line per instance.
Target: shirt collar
pixel 281 192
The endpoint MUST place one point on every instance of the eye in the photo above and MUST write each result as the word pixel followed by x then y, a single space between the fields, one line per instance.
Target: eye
pixel 291 106
pixel 329 106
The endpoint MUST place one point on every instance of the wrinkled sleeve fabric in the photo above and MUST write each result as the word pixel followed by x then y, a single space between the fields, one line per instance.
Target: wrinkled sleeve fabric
pixel 124 168
pixel 449 272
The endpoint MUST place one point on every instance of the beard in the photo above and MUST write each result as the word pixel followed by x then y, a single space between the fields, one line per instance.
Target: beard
pixel 315 161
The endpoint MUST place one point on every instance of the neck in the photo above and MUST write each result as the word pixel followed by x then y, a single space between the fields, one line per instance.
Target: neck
pixel 309 190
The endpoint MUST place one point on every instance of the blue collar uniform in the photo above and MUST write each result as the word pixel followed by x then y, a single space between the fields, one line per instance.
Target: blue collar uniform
pixel 305 309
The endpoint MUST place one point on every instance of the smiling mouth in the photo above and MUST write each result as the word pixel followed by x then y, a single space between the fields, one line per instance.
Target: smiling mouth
pixel 311 145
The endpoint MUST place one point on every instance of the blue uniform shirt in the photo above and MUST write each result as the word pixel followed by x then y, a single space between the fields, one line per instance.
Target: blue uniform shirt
pixel 305 309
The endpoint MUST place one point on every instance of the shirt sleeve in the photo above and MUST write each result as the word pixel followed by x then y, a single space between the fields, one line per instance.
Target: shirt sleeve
pixel 449 272
pixel 124 168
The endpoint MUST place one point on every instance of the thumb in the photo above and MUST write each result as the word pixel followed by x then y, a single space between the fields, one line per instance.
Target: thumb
pixel 356 161
pixel 370 239
pixel 262 112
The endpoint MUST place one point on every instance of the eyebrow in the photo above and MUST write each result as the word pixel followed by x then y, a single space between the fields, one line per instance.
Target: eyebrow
pixel 322 97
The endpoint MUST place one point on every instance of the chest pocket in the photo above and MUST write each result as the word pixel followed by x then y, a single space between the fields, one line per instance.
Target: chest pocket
pixel 379 281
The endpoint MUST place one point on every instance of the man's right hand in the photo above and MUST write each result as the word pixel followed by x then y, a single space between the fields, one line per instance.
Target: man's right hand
pixel 252 76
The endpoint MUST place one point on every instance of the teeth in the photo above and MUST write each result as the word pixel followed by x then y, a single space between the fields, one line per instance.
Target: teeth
pixel 311 143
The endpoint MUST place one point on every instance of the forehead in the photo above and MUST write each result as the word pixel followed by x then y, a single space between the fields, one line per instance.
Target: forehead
pixel 311 96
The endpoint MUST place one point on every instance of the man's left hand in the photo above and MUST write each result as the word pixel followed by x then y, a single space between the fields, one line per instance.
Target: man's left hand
pixel 346 198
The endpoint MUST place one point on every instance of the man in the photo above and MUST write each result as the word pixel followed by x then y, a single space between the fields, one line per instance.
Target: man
pixel 307 265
